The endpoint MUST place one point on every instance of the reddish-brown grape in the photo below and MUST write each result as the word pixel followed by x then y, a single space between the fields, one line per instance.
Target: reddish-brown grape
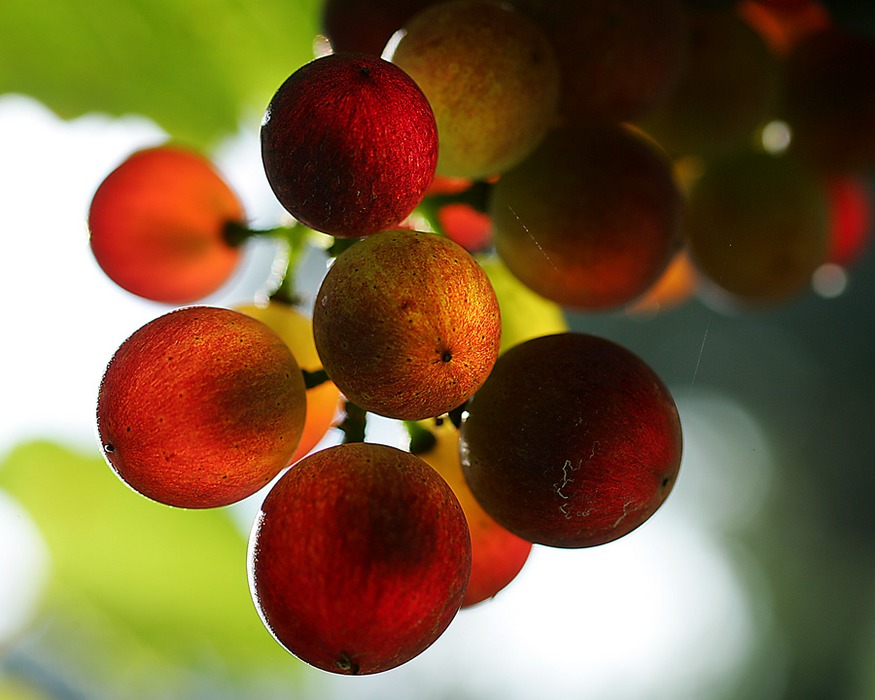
pixel 366 26
pixel 590 220
pixel 783 25
pixel 830 101
pixel 359 558
pixel 349 145
pixel 851 219
pixel 465 225
pixel 573 441
pixel 617 58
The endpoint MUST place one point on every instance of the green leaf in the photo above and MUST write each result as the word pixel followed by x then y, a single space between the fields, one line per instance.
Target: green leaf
pixel 16 689
pixel 197 68
pixel 156 585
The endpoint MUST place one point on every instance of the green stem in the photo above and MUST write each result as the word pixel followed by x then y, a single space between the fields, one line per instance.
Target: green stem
pixel 341 244
pixel 295 238
pixel 287 292
pixel 237 233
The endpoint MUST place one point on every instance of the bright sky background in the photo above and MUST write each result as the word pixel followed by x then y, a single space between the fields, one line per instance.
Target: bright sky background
pixel 668 607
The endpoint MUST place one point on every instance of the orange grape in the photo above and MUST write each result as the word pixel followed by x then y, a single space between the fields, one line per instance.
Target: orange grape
pixel 323 400
pixel 158 225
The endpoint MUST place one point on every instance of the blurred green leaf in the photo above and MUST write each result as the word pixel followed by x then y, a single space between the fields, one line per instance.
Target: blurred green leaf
pixel 168 582
pixel 197 68
pixel 16 689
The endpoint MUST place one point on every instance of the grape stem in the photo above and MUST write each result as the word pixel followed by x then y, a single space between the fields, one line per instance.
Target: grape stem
pixel 422 440
pixel 294 238
pixel 236 233
pixel 314 379
pixel 353 424
pixel 286 292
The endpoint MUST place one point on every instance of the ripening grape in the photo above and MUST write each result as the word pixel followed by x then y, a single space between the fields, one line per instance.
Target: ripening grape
pixel 726 91
pixel 323 400
pixel 757 226
pixel 573 441
pixel 784 24
pixel 590 220
pixel 617 58
pixel 365 26
pixel 497 556
pixel 491 78
pixel 201 407
pixel 465 225
pixel 851 219
pixel 407 324
pixel 829 101
pixel 349 145
pixel 359 558
pixel 159 225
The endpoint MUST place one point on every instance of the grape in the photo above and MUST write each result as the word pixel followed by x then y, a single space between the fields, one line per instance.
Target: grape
pixel 407 324
pixel 349 145
pixel 757 226
pixel 200 408
pixel 726 92
pixel 359 558
pixel 159 226
pixel 850 219
pixel 830 101
pixel 365 26
pixel 465 225
pixel 590 220
pixel 617 58
pixel 323 400
pixel 497 556
pixel 784 24
pixel 491 77
pixel 573 441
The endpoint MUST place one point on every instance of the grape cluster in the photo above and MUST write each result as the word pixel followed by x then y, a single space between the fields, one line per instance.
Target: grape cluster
pixel 608 155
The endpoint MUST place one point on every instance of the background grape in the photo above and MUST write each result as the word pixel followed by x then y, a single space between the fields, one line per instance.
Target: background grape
pixel 590 220
pixel 160 226
pixel 492 78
